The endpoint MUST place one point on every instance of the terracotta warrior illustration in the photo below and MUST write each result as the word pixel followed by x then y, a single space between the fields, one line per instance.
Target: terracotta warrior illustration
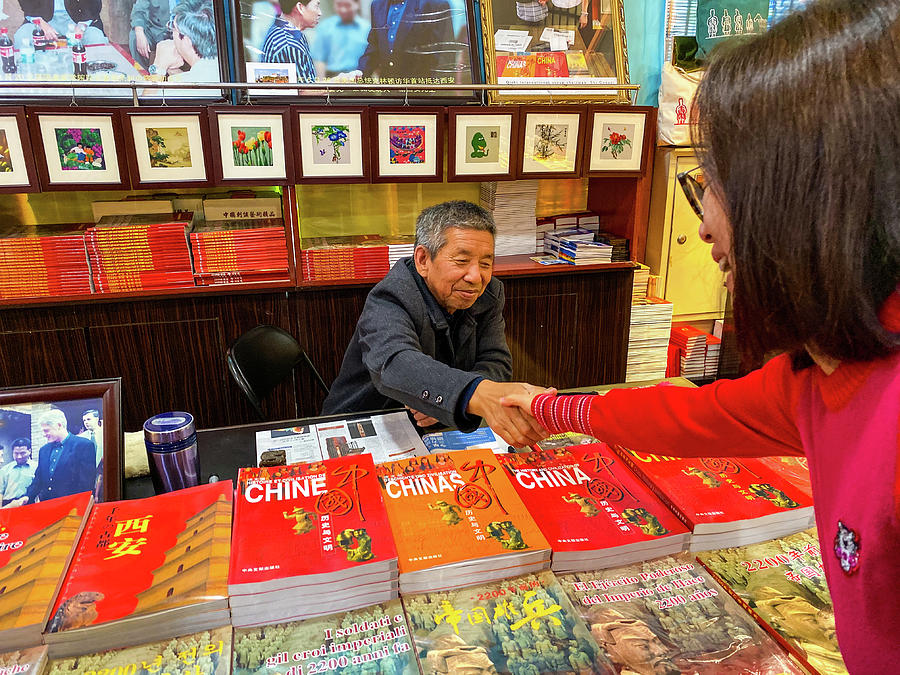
pixel 79 610
pixel 507 534
pixel 774 495
pixel 357 544
pixel 303 519
pixel 588 506
pixel 709 479
pixel 450 511
pixel 645 520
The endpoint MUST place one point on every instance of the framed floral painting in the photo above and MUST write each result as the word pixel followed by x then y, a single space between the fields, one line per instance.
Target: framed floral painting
pixel 408 145
pixel 551 141
pixel 167 147
pixel 616 140
pixel 483 143
pixel 249 145
pixel 333 145
pixel 79 147
pixel 17 171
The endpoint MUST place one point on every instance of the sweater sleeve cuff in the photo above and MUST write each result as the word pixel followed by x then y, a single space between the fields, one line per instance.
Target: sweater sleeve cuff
pixel 558 414
pixel 464 421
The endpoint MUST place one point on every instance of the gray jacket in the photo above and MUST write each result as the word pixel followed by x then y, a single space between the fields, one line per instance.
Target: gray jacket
pixel 405 352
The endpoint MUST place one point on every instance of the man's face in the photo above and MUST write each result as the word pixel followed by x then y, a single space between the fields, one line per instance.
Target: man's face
pixel 54 432
pixel 638 647
pixel 90 422
pixel 460 270
pixel 21 454
pixel 183 44
pixel 346 9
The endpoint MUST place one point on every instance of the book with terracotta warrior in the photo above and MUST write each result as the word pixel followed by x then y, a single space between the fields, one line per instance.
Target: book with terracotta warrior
pixel 144 570
pixel 24 661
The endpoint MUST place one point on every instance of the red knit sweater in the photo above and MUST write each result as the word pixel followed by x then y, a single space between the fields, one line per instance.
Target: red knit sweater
pixel 845 423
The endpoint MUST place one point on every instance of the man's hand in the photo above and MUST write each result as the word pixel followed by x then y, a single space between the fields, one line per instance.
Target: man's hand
pixel 141 42
pixel 514 426
pixel 49 31
pixel 168 60
pixel 523 401
pixel 422 420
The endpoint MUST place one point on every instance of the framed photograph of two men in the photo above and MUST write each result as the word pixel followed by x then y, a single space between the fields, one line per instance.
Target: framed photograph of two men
pixel 111 41
pixel 418 42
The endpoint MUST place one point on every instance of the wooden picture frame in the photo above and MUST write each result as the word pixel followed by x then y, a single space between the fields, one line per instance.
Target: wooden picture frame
pixel 18 173
pixel 332 144
pixel 555 49
pixel 250 145
pixel 484 143
pixel 61 156
pixel 617 141
pixel 24 408
pixel 552 140
pixel 168 147
pixel 407 144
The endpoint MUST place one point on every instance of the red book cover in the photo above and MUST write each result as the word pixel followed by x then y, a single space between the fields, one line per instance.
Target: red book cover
pixel 584 498
pixel 710 494
pixel 550 64
pixel 331 511
pixel 133 552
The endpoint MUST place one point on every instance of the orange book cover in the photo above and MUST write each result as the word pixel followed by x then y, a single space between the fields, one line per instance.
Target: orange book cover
pixel 452 507
pixel 519 65
pixel 140 556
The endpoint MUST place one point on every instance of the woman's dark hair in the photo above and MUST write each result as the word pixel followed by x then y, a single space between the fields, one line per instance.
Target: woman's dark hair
pixel 799 131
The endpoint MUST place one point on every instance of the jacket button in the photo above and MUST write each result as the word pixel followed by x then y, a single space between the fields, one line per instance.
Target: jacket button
pixel 438 399
pixel 425 394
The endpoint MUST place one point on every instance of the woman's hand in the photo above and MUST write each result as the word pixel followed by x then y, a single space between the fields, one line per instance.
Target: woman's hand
pixel 523 401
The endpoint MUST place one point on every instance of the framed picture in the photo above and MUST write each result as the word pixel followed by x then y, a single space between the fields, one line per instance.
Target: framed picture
pixel 551 141
pixel 249 145
pixel 85 417
pixel 120 41
pixel 616 140
pixel 79 147
pixel 17 171
pixel 408 144
pixel 560 43
pixel 350 41
pixel 333 144
pixel 167 147
pixel 483 143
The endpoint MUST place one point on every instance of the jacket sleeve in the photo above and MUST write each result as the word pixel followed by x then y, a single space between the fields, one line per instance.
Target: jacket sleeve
pixel 493 360
pixel 392 353
pixel 140 14
pixel 750 416
pixel 369 61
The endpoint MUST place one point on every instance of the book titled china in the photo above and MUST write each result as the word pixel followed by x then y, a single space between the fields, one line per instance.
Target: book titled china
pixel 458 520
pixel 202 653
pixel 724 501
pixel 372 639
pixel 592 509
pixel 37 542
pixel 669 616
pixel 526 624
pixel 145 570
pixel 782 584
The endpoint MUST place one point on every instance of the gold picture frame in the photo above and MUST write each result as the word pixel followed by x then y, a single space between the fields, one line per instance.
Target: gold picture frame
pixel 546 43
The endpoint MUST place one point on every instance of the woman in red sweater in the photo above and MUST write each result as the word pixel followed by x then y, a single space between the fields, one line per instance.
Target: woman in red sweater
pixel 799 137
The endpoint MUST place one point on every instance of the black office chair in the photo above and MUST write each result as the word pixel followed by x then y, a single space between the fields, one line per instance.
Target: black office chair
pixel 262 358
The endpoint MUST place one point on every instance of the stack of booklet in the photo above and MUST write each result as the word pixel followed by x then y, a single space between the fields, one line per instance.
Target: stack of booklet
pixel 309 539
pixel 400 246
pixel 512 204
pixel 648 339
pixel 458 521
pixel 52 263
pixel 239 251
pixel 593 510
pixel 146 569
pixel 577 247
pixel 691 345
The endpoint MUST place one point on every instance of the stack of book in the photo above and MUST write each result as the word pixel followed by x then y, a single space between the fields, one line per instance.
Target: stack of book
pixel 145 570
pixel 309 539
pixel 400 246
pixel 577 247
pixel 347 257
pixel 641 279
pixel 592 509
pixel 620 248
pixel 458 521
pixel 691 345
pixel 512 204
pixel 724 501
pixel 713 352
pixel 239 251
pixel 51 262
pixel 140 252
pixel 648 339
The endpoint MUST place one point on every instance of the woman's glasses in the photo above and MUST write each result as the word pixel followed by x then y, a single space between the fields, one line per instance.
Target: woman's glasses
pixel 693 189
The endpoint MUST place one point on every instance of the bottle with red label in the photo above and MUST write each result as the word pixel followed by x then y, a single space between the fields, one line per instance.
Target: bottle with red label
pixel 7 52
pixel 38 37
pixel 79 57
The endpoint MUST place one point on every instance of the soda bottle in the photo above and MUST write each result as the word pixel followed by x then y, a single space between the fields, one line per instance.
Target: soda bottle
pixel 38 37
pixel 79 58
pixel 7 52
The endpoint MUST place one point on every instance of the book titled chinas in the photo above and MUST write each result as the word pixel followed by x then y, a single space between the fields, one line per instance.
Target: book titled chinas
pixel 202 653
pixel 145 570
pixel 520 625
pixel 668 616
pixel 372 639
pixel 782 584
pixel 593 510
pixel 37 542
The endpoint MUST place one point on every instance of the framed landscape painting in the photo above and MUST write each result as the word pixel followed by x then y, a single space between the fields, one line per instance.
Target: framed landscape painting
pixel 249 145
pixel 79 148
pixel 408 145
pixel 333 144
pixel 483 143
pixel 167 147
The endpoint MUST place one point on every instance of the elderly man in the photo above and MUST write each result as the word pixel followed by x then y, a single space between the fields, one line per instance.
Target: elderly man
pixel 431 334
pixel 66 463
pixel 16 477
pixel 192 54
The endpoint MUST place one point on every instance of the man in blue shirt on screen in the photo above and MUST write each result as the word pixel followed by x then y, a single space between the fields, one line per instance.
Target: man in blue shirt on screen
pixel 340 39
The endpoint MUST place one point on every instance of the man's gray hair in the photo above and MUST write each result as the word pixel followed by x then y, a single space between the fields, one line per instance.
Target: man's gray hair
pixel 54 417
pixel 432 223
